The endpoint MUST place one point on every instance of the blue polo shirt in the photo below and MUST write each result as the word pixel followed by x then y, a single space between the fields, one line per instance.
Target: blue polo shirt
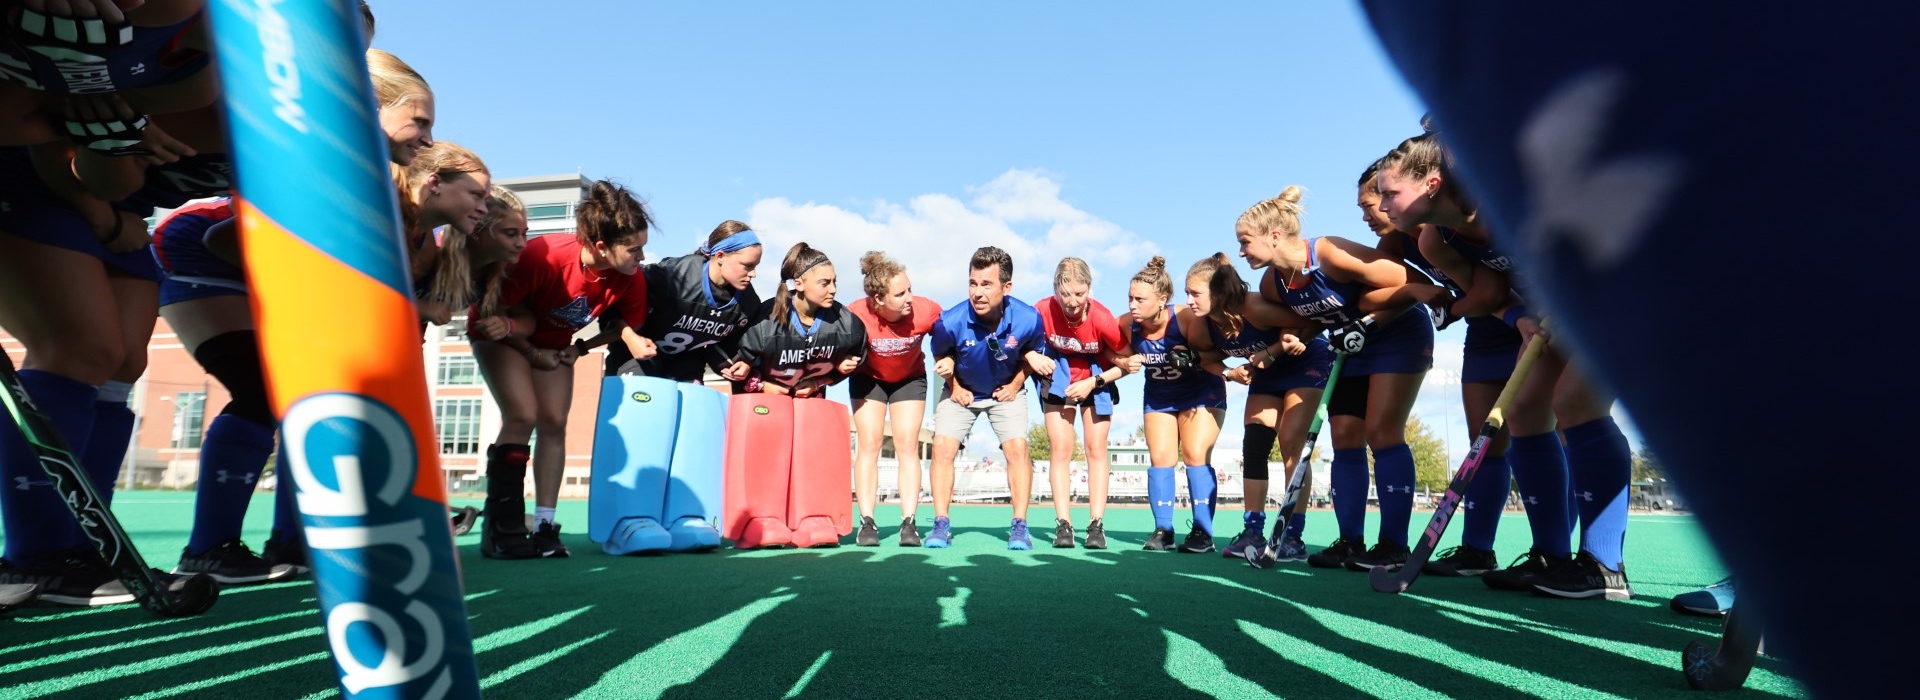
pixel 972 343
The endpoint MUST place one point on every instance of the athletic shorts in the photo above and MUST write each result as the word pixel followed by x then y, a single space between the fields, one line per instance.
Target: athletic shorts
pixel 1208 391
pixel 30 210
pixel 1493 348
pixel 1284 373
pixel 1053 391
pixel 193 272
pixel 1403 346
pixel 1349 396
pixel 1009 420
pixel 862 387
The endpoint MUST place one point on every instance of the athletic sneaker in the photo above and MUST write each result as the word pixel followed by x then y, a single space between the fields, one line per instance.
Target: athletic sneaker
pixel 1018 538
pixel 942 535
pixel 547 541
pixel 230 562
pixel 1251 535
pixel 1335 555
pixel 1161 540
pixel 1290 549
pixel 1198 542
pixel 869 534
pixel 1583 577
pixel 1062 534
pixel 909 533
pixel 71 577
pixel 1519 575
pixel 1712 601
pixel 1096 534
pixel 1463 560
pixel 13 595
pixel 1383 554
pixel 291 551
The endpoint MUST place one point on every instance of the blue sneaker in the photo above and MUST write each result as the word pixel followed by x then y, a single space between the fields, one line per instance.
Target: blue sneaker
pixel 942 535
pixel 1712 601
pixel 1250 536
pixel 1290 549
pixel 1019 539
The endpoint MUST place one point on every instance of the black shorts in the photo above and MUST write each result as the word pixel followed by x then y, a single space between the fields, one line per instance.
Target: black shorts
pixel 1349 397
pixel 861 387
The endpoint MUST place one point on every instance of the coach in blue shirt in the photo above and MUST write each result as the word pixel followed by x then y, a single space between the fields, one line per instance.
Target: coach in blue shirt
pixel 986 348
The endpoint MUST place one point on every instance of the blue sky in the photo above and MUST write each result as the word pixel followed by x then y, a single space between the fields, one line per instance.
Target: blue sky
pixel 1111 131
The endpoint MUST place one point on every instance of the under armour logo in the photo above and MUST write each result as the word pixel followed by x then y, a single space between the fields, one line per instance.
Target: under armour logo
pixel 223 477
pixel 23 483
pixel 1331 492
pixel 1469 505
pixel 1163 503
pixel 137 69
pixel 713 312
pixel 1533 501
pixel 1585 496
pixel 1399 489
pixel 1200 501
pixel 1601 207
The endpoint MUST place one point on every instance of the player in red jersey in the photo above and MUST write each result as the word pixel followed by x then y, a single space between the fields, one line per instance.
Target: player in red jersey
pixel 1083 340
pixel 891 384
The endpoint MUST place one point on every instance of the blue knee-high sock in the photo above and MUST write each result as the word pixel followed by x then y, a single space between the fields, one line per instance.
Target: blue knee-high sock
pixel 1350 492
pixel 35 517
pixel 1540 470
pixel 1160 493
pixel 1486 499
pixel 112 429
pixel 286 516
pixel 231 459
pixel 1298 523
pixel 1201 485
pixel 1601 464
pixel 1393 473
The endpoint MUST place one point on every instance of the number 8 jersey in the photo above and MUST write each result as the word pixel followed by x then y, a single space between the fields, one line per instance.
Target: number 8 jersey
pixel 694 322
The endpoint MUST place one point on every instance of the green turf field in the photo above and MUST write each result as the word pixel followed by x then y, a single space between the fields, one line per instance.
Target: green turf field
pixel 898 623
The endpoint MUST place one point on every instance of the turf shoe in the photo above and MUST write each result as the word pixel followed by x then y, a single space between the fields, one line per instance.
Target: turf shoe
pixel 13 595
pixel 1463 560
pixel 1198 542
pixel 230 563
pixel 1252 534
pixel 869 534
pixel 70 577
pixel 942 535
pixel 1096 534
pixel 1018 538
pixel 1712 601
pixel 909 533
pixel 1336 555
pixel 1519 575
pixel 546 540
pixel 1161 540
pixel 1290 549
pixel 290 550
pixel 1583 577
pixel 1383 554
pixel 1062 534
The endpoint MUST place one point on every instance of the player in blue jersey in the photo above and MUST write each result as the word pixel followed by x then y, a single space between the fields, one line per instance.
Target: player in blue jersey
pixel 1182 403
pixel 1284 377
pixel 986 348
pixel 151 59
pixel 1588 477
pixel 1370 304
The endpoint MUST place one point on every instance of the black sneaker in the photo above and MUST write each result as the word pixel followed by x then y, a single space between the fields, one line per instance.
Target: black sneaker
pixel 1161 540
pixel 1583 577
pixel 1461 561
pixel 1062 535
pixel 13 595
pixel 290 551
pixel 1198 542
pixel 869 535
pixel 1383 554
pixel 230 562
pixel 1519 575
pixel 1336 555
pixel 72 577
pixel 547 541
pixel 1096 534
pixel 909 533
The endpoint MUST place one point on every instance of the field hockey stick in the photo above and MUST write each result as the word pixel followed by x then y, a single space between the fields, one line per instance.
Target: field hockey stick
pixel 1290 504
pixel 1727 667
pixel 162 594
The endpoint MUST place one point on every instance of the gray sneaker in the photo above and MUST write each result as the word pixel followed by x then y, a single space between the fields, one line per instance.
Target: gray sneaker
pixel 1096 534
pixel 1063 535
pixel 869 534
pixel 909 533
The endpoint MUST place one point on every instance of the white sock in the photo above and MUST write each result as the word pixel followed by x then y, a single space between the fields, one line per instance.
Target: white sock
pixel 542 514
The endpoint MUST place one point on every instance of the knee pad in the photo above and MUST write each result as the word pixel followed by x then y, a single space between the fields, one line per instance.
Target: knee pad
pixel 234 359
pixel 1255 449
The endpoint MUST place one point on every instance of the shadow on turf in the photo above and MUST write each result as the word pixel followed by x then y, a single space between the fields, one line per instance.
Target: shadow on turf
pixel 894 621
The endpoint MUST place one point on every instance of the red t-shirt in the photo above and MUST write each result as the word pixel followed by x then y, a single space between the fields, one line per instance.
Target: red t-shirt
pixel 565 296
pixel 1079 344
pixel 893 349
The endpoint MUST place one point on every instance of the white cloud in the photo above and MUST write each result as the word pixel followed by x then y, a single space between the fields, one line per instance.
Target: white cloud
pixel 934 234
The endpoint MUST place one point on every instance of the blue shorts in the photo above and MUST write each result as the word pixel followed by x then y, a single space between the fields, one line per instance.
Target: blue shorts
pixel 193 272
pixel 1197 390
pixel 30 210
pixel 1493 348
pixel 1307 370
pixel 1053 392
pixel 1403 346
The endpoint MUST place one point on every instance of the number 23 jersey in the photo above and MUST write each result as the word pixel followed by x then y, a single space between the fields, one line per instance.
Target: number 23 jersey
pixel 686 313
pixel 784 352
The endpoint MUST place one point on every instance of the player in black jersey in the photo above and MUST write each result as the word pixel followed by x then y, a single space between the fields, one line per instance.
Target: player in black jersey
pixel 700 304
pixel 808 342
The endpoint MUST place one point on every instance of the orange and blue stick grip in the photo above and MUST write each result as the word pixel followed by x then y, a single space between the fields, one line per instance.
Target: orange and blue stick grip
pixel 320 227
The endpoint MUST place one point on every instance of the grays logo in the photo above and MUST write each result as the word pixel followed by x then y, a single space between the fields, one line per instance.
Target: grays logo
pixel 353 461
pixel 276 44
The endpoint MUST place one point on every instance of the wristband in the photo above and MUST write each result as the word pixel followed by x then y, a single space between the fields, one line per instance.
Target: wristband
pixel 1514 314
pixel 509 327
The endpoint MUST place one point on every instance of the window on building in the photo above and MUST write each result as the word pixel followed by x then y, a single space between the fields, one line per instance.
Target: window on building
pixel 548 212
pixel 189 419
pixel 459 370
pixel 458 423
